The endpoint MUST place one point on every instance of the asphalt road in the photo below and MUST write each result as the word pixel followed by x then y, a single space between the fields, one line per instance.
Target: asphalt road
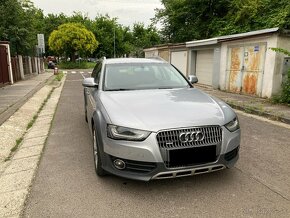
pixel 66 184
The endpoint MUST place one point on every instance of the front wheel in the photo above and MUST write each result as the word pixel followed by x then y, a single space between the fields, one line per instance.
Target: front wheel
pixel 97 159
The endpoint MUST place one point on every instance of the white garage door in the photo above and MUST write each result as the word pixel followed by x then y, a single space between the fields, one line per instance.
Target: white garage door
pixel 204 66
pixel 179 60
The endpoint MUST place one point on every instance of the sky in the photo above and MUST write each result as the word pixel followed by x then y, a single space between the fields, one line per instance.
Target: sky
pixel 127 11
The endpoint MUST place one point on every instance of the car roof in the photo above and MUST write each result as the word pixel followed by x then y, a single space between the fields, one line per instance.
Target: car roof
pixel 133 60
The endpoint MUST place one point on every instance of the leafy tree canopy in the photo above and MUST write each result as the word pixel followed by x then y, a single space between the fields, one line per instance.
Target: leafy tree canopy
pixel 19 23
pixel 70 38
pixel 184 20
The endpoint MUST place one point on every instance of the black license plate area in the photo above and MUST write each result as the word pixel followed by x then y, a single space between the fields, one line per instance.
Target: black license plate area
pixel 192 156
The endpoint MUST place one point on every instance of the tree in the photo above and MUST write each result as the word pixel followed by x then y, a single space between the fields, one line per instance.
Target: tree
pixel 143 37
pixel 51 22
pixel 185 20
pixel 19 25
pixel 70 38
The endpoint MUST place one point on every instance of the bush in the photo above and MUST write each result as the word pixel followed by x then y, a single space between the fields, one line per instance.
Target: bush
pixel 76 65
pixel 284 95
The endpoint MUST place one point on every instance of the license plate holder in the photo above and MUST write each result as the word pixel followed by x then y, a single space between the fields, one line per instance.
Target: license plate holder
pixel 192 156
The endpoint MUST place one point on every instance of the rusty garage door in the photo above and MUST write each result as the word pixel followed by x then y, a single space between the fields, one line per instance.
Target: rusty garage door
pixel 245 68
pixel 4 73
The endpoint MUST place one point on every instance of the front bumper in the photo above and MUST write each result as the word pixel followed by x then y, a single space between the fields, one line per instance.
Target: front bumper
pixel 159 171
pixel 145 161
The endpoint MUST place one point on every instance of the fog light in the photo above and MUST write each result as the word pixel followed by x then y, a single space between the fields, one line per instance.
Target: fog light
pixel 119 164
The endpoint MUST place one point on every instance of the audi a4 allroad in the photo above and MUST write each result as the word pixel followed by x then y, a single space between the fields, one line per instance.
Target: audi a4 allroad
pixel 148 121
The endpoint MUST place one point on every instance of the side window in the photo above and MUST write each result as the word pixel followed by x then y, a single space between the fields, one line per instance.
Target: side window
pixel 97 72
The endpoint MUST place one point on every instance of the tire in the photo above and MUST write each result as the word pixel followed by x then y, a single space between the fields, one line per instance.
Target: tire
pixel 97 159
pixel 86 116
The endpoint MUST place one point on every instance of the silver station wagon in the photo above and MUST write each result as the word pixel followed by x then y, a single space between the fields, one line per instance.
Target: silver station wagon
pixel 149 122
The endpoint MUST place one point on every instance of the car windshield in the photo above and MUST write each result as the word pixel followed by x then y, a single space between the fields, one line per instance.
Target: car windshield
pixel 131 76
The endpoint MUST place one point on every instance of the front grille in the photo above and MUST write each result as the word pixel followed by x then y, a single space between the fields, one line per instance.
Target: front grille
pixel 169 139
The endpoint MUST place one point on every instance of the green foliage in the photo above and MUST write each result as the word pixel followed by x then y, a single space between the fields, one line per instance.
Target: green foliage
pixel 30 124
pixel 281 50
pixel 70 38
pixel 59 76
pixel 284 96
pixel 19 23
pixel 142 38
pixel 185 20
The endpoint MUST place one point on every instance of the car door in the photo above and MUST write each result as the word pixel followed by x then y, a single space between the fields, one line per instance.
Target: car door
pixel 91 93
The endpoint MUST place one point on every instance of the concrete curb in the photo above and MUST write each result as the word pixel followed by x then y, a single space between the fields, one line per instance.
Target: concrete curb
pixel 12 109
pixel 259 113
pixel 17 177
pixel 246 106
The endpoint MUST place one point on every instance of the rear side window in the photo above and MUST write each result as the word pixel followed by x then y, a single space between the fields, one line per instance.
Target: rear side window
pixel 97 72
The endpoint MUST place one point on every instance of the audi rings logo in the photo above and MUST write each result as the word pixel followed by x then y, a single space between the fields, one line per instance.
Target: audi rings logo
pixel 196 136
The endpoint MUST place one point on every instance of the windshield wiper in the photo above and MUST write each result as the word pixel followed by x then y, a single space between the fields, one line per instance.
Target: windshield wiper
pixel 118 89
pixel 165 88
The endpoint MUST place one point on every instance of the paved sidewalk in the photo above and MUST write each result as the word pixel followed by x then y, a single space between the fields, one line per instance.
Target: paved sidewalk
pixel 251 104
pixel 14 96
pixel 17 172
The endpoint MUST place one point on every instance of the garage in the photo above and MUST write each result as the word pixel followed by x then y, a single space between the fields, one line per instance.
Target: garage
pixel 179 60
pixel 204 66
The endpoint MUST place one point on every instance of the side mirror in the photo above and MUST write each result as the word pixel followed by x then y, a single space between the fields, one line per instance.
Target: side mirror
pixel 192 79
pixel 89 83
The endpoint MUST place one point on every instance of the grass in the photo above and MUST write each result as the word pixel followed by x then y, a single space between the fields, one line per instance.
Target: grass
pixel 15 147
pixel 76 65
pixel 30 124
pixel 59 76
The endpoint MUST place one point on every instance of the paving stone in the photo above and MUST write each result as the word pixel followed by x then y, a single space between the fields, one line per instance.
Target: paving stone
pixel 45 116
pixel 19 165
pixel 42 123
pixel 3 166
pixel 15 181
pixel 42 119
pixel 11 203
pixel 33 142
pixel 35 134
pixel 28 152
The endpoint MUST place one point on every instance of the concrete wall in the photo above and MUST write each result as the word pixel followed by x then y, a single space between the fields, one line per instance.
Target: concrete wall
pixel 151 53
pixel 283 42
pixel 269 67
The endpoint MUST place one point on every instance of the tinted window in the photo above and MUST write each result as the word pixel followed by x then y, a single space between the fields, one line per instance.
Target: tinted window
pixel 142 76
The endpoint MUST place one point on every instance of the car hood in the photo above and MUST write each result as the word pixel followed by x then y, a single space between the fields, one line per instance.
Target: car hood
pixel 154 110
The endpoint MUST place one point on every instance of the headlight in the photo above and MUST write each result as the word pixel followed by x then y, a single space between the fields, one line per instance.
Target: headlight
pixel 124 133
pixel 233 125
